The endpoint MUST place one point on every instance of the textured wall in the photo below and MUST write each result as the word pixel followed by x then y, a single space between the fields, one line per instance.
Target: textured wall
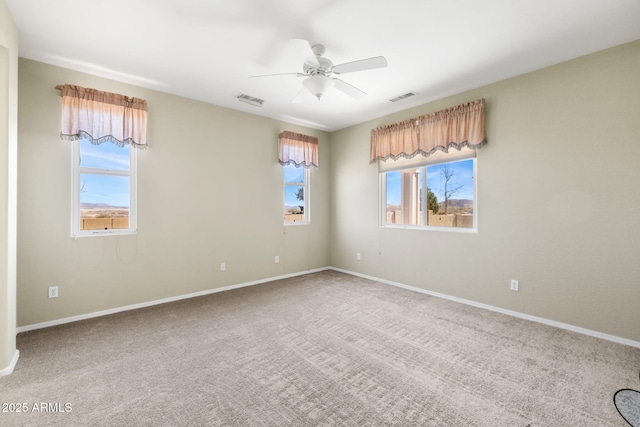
pixel 563 149
pixel 203 162
pixel 563 143
pixel 8 175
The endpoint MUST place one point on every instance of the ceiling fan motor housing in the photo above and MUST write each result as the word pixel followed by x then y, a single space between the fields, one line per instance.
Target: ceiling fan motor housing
pixel 325 67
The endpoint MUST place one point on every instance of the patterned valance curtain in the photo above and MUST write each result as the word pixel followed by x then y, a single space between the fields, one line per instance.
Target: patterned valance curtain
pixel 458 127
pixel 102 116
pixel 298 149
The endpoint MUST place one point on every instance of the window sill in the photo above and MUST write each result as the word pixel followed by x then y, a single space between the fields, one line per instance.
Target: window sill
pixel 103 233
pixel 421 228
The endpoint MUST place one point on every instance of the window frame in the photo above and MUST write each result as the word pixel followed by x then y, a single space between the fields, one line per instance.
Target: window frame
pixel 306 191
pixel 422 165
pixel 77 171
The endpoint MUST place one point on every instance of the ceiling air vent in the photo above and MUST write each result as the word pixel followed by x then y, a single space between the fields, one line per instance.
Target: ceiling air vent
pixel 250 100
pixel 403 96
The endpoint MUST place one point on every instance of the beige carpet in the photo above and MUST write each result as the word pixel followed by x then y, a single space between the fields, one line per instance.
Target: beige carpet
pixel 326 349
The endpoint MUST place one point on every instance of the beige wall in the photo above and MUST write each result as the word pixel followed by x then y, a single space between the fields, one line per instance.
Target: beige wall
pixel 8 174
pixel 564 142
pixel 563 150
pixel 203 162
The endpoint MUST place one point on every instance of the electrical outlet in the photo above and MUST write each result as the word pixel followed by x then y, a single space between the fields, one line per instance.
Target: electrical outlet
pixel 358 257
pixel 53 292
pixel 514 285
pixel 277 259
pixel 223 266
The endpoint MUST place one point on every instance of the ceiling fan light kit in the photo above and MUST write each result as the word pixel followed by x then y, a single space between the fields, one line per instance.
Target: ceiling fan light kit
pixel 318 70
pixel 317 84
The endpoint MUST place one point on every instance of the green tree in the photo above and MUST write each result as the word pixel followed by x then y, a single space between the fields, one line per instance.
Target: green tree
pixel 432 202
pixel 300 194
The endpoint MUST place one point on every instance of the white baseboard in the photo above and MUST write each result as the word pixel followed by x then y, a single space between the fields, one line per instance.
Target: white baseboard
pixel 160 301
pixel 9 369
pixel 542 320
pixel 560 325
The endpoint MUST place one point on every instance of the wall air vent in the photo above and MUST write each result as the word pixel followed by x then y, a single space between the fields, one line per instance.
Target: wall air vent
pixel 403 96
pixel 250 100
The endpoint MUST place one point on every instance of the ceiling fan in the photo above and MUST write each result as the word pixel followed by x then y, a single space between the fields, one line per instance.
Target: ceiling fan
pixel 319 71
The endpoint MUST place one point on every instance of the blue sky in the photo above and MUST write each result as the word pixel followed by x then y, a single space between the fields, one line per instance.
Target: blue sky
pixel 109 189
pixel 292 174
pixel 463 175
pixel 104 156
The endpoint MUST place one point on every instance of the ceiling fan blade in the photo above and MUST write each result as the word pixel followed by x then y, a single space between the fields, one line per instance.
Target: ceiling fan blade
pixel 361 65
pixel 280 74
pixel 350 90
pixel 304 48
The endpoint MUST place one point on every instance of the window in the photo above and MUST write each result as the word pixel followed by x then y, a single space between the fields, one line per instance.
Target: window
pixel 105 130
pixel 439 195
pixel 297 154
pixel 427 168
pixel 296 195
pixel 104 188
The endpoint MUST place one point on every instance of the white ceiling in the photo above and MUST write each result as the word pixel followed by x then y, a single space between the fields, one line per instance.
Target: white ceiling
pixel 207 49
